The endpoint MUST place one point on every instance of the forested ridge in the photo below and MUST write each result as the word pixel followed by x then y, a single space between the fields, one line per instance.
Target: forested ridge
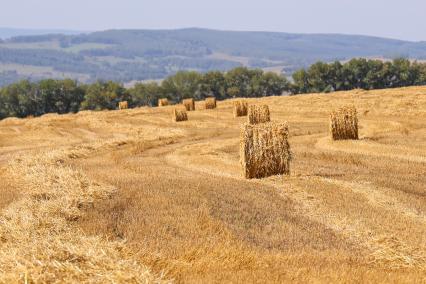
pixel 135 55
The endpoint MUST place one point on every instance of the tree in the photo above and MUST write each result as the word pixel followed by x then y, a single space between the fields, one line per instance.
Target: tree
pixel 20 99
pixel 419 72
pixel 336 76
pixel 319 77
pixel 241 78
pixel 374 78
pixel 60 96
pixel 356 72
pixel 233 92
pixel 269 84
pixel 146 94
pixel 402 73
pixel 105 95
pixel 387 74
pixel 300 82
pixel 213 83
pixel 184 84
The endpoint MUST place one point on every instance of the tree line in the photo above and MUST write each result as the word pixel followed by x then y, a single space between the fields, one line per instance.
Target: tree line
pixel 358 74
pixel 26 98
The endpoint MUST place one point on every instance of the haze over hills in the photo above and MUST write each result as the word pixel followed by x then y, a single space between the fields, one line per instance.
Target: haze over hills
pixel 134 55
pixel 6 33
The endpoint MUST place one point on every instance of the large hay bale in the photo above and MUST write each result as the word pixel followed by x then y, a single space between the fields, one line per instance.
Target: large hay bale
pixel 210 103
pixel 344 123
pixel 258 114
pixel 123 105
pixel 265 150
pixel 189 104
pixel 240 108
pixel 163 102
pixel 179 115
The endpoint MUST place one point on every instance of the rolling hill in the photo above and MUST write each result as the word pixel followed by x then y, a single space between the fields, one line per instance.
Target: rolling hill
pixel 129 55
pixel 6 33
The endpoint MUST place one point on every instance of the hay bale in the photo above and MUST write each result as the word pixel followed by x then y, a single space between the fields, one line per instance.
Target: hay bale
pixel 163 102
pixel 258 114
pixel 123 105
pixel 265 150
pixel 179 115
pixel 189 104
pixel 240 108
pixel 210 103
pixel 344 123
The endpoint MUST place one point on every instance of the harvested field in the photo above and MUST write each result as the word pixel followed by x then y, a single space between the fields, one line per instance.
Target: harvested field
pixel 131 196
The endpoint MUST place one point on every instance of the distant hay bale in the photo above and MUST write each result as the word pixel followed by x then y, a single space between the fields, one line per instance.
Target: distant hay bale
pixel 163 102
pixel 258 114
pixel 265 150
pixel 189 104
pixel 123 105
pixel 240 108
pixel 179 115
pixel 344 123
pixel 210 103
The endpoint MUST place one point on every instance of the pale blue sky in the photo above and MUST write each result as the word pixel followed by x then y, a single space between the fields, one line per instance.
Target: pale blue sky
pixel 388 18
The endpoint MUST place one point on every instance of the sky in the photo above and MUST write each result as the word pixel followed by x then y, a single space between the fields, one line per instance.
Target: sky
pixel 401 19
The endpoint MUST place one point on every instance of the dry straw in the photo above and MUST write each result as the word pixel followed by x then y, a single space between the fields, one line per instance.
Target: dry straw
pixel 163 102
pixel 344 123
pixel 39 239
pixel 240 108
pixel 123 105
pixel 265 150
pixel 179 115
pixel 210 103
pixel 258 114
pixel 189 104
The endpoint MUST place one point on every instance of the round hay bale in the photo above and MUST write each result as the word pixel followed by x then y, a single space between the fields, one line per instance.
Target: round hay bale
pixel 258 114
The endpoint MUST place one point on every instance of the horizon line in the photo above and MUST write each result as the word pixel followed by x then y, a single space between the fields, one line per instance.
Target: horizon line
pixel 47 31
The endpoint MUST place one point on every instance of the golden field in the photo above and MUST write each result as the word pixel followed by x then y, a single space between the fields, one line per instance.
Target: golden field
pixel 130 196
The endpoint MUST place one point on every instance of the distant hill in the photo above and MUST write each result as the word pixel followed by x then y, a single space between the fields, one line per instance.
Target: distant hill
pixel 133 55
pixel 6 33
